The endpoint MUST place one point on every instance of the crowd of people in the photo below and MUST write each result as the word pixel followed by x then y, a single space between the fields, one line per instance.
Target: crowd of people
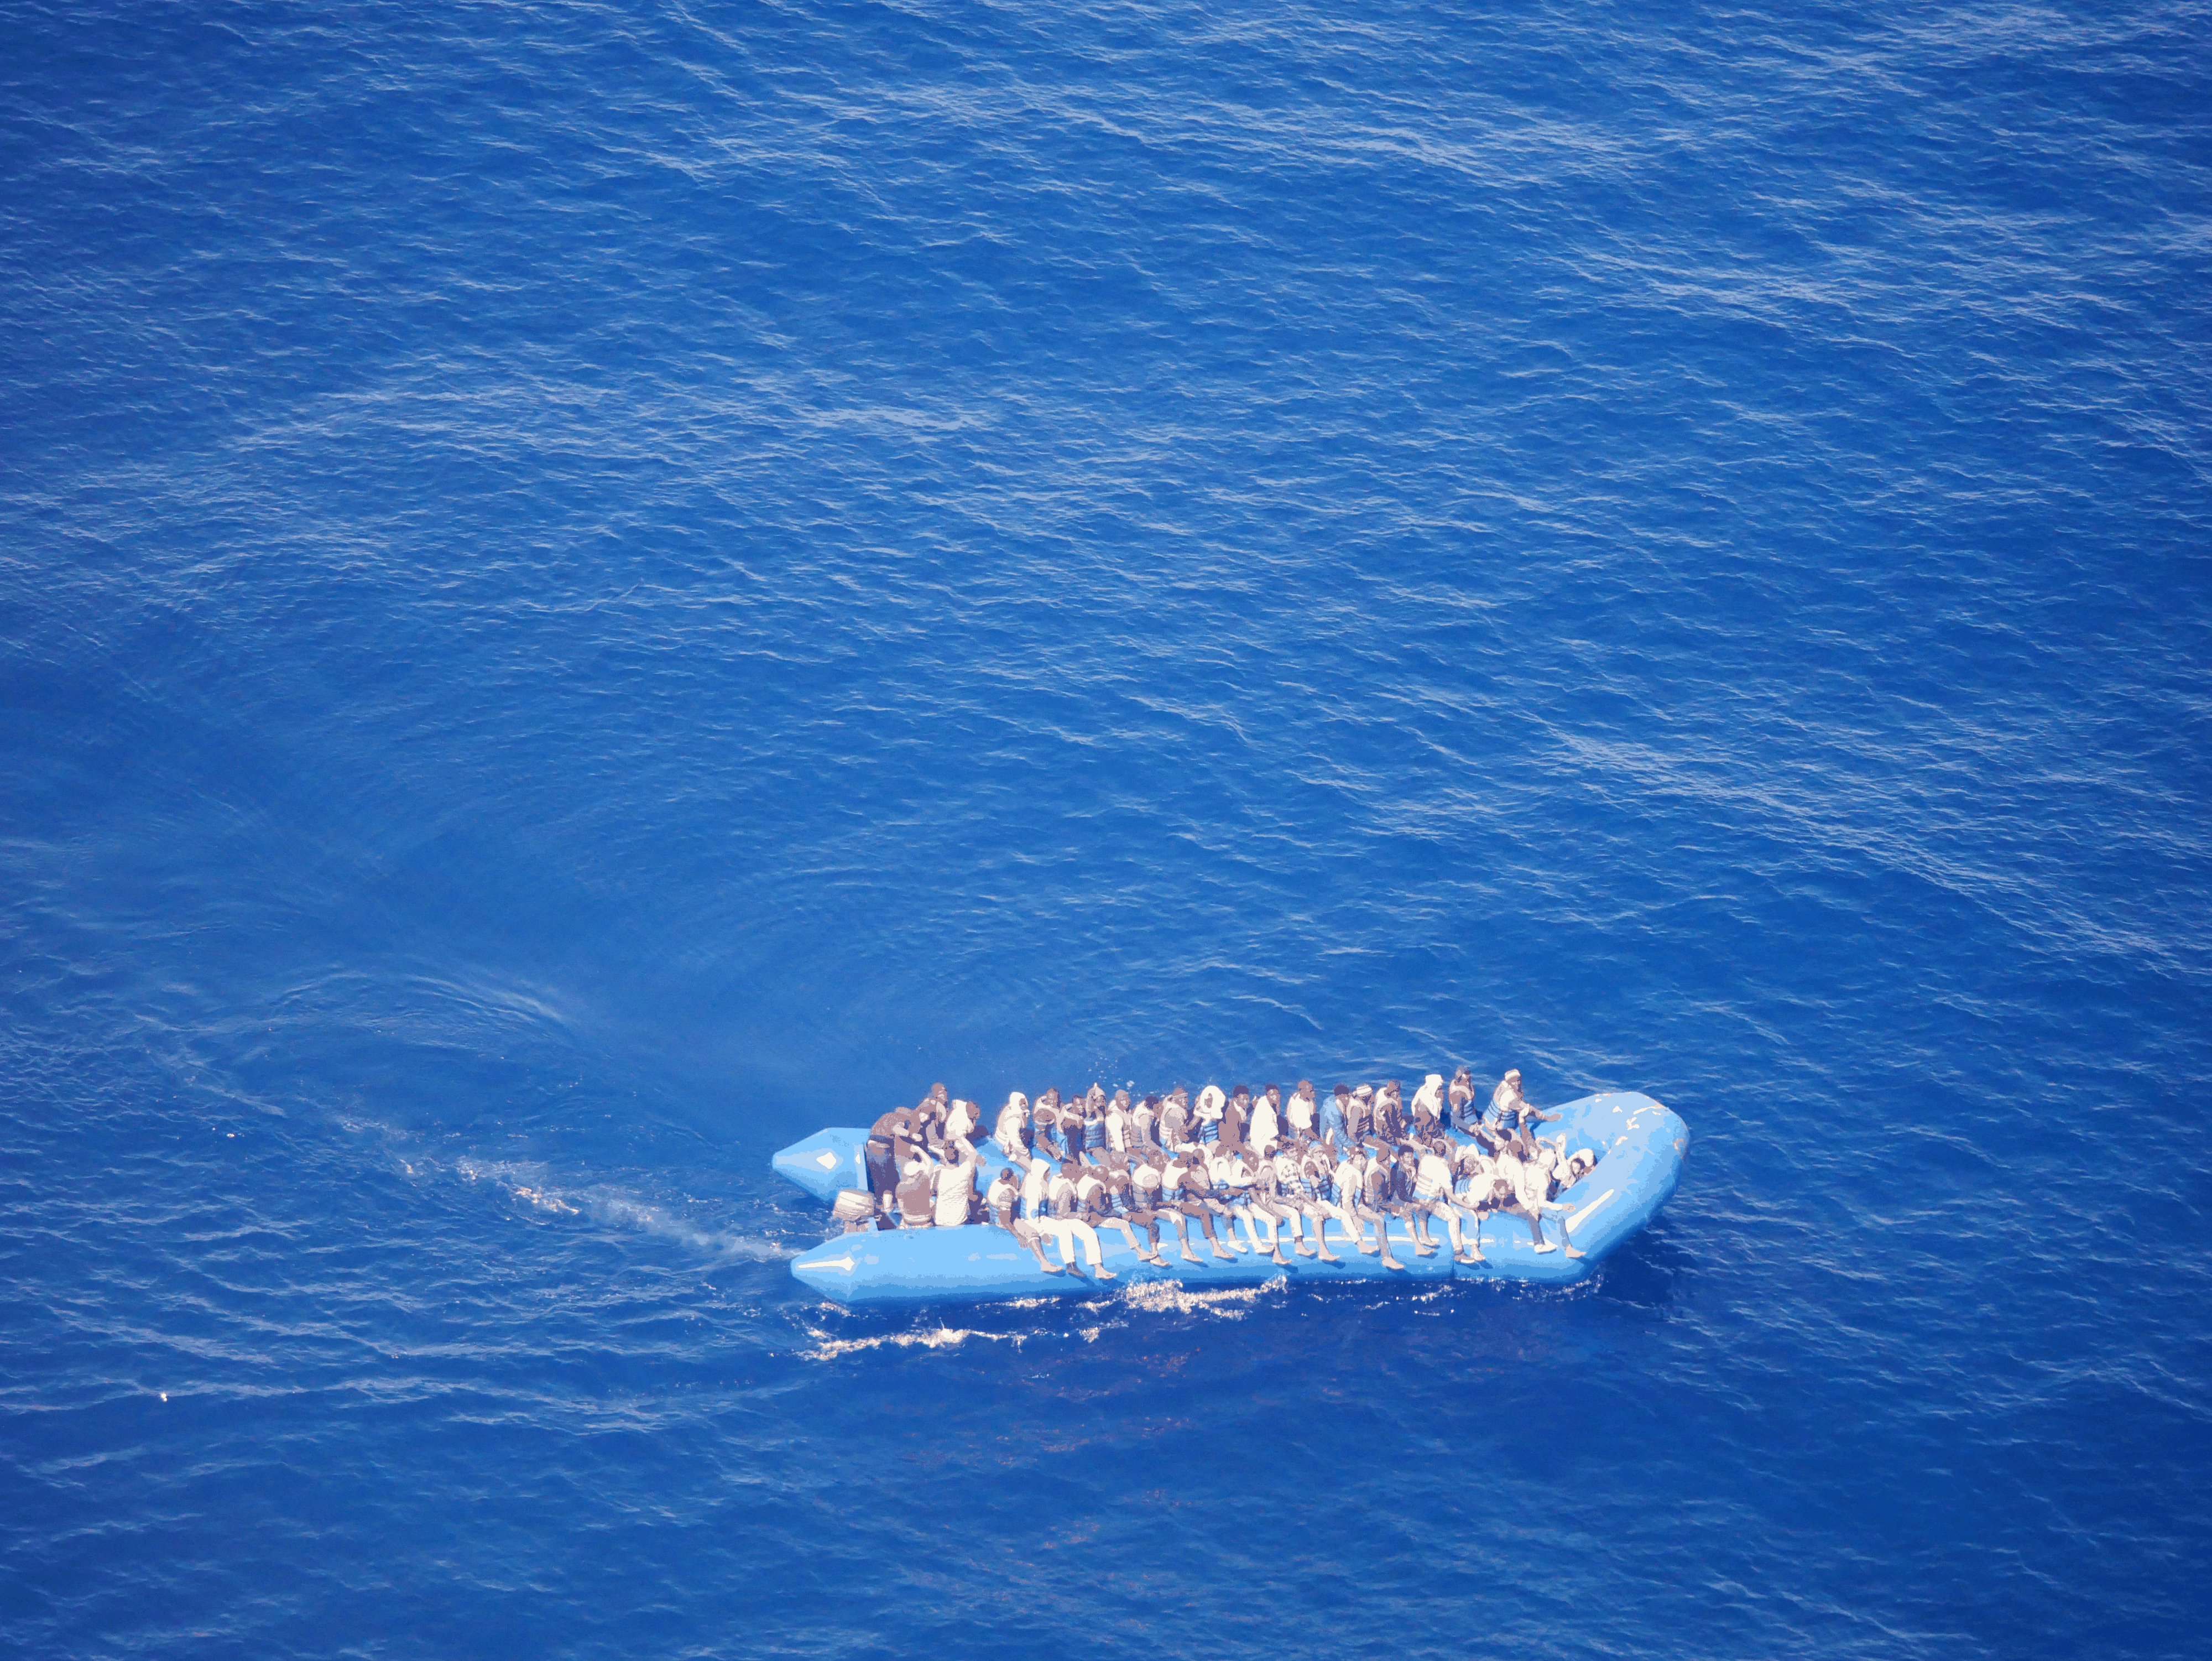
pixel 1170 1167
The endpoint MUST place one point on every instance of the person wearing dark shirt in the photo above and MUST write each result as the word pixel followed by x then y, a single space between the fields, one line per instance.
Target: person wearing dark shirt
pixel 1044 1126
pixel 1146 1196
pixel 1464 1117
pixel 1072 1131
pixel 1096 1195
pixel 1185 1184
pixel 1390 1114
pixel 1375 1204
pixel 1235 1115
pixel 1360 1117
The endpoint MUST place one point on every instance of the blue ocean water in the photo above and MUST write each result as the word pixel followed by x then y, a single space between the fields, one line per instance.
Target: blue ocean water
pixel 585 590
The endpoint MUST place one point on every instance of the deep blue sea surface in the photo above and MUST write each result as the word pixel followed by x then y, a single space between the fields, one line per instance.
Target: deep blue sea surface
pixel 585 589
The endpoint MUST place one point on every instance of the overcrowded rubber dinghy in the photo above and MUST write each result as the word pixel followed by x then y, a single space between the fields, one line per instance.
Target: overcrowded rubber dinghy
pixel 1633 1150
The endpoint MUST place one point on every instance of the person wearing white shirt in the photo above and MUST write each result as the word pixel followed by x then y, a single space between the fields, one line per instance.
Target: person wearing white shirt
pixel 1267 1126
pixel 1014 1119
pixel 961 1122
pixel 1428 1107
pixel 1059 1219
pixel 955 1186
pixel 1432 1194
pixel 1530 1181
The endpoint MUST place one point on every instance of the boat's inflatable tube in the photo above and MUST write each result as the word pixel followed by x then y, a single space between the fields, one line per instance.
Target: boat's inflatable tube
pixel 1639 1145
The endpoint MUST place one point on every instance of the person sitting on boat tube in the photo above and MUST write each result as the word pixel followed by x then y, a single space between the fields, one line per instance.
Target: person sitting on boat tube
pixel 1463 1117
pixel 1263 1203
pixel 1145 1125
pixel 1013 1121
pixel 955 1186
pixel 1120 1134
pixel 1177 1127
pixel 1207 1119
pixel 1377 1204
pixel 1509 1111
pixel 1003 1203
pixel 1432 1193
pixel 1073 1130
pixel 1301 1182
pixel 1359 1115
pixel 961 1122
pixel 1044 1127
pixel 1096 1201
pixel 1121 1200
pixel 1158 1182
pixel 1429 1106
pixel 1390 1114
pixel 1061 1220
pixel 1531 1187
pixel 1266 1125
pixel 917 1194
pixel 1146 1199
pixel 1186 1181
pixel 1333 1120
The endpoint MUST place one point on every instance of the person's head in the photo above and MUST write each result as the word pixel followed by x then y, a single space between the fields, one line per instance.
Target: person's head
pixel 1342 1093
pixel 1582 1160
pixel 1015 1098
pixel 1435 1081
pixel 1069 1167
pixel 1513 1075
pixel 1274 1095
pixel 1361 1092
pixel 939 1094
pixel 1122 1099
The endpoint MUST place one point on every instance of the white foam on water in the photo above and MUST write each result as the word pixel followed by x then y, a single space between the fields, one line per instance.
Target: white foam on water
pixel 724 1246
pixel 1228 1303
pixel 530 1183
pixel 827 1348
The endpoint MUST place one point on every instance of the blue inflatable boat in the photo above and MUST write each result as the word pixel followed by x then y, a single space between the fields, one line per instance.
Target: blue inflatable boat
pixel 1640 1146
